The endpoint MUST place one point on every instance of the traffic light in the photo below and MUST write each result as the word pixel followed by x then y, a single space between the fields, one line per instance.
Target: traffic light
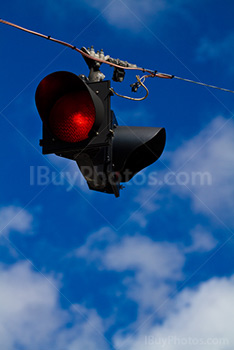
pixel 79 124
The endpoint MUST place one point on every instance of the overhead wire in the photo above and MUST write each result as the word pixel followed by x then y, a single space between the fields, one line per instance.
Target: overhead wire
pixel 152 73
pixel 204 84
pixel 48 37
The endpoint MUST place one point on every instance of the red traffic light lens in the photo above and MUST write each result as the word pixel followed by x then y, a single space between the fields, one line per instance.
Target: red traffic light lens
pixel 73 116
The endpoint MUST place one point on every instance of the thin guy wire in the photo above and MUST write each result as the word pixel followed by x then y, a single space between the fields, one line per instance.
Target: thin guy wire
pixel 203 84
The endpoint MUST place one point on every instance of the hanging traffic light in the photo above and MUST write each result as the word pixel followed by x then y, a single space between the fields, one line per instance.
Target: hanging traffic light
pixel 78 124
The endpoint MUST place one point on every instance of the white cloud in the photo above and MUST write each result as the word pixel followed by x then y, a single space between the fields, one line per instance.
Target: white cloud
pixel 201 319
pixel 151 270
pixel 91 251
pixel 210 153
pixel 155 266
pixel 129 13
pixel 125 14
pixel 202 241
pixel 201 170
pixel 28 312
pixel 133 14
pixel 146 205
pixel 141 253
pixel 14 218
pixel 31 317
pixel 86 333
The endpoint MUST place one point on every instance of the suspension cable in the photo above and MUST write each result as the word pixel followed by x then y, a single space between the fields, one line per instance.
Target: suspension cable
pixel 152 73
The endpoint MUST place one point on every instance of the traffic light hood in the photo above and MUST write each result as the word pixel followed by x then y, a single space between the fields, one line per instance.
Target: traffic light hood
pixel 134 148
pixel 64 90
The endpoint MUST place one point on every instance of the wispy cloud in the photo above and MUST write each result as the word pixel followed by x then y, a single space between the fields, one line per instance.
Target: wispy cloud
pixel 122 14
pixel 154 267
pixel 221 51
pixel 31 317
pixel 14 218
pixel 200 170
pixel 202 241
pixel 151 271
pixel 125 14
pixel 199 319
pixel 210 152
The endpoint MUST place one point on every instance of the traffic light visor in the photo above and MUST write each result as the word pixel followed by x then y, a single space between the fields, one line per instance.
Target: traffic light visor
pixel 134 148
pixel 68 107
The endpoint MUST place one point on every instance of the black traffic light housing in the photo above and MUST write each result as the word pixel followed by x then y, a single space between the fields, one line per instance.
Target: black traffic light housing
pixel 106 153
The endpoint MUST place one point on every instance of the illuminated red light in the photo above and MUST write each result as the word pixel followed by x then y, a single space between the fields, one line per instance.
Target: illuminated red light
pixel 73 116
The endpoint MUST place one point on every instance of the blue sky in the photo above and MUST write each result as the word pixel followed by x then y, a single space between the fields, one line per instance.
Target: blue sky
pixel 153 268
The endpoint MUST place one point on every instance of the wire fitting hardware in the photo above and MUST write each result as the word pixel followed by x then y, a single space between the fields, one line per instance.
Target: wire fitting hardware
pixel 140 83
